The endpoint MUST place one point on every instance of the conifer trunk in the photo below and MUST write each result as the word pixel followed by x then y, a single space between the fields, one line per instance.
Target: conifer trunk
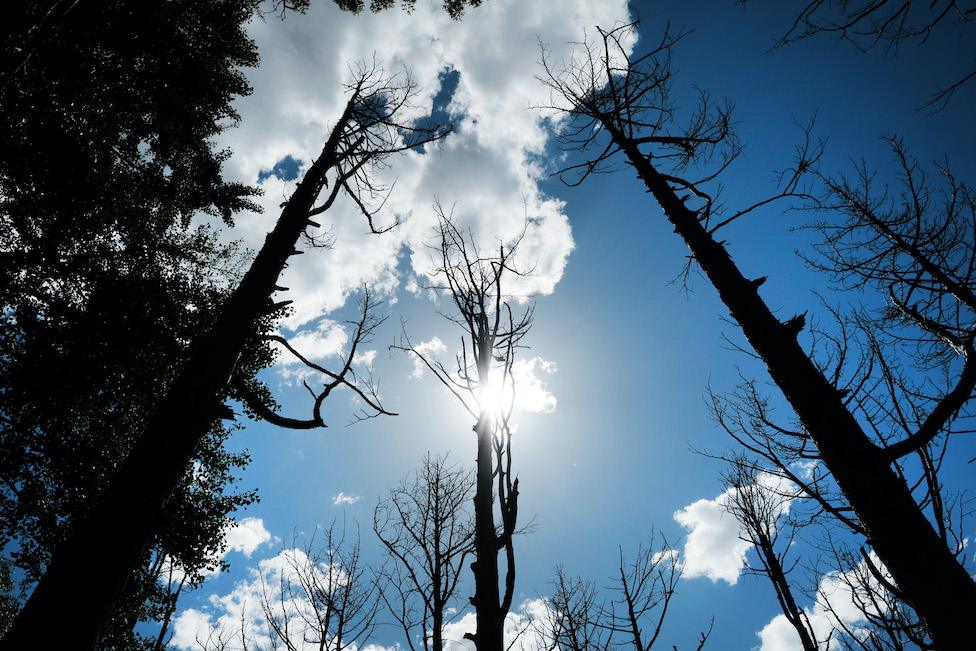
pixel 939 588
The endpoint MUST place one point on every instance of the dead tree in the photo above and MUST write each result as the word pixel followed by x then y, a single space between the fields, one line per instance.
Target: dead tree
pixel 326 596
pixel 759 502
pixel 426 527
pixel 98 556
pixel 887 24
pixel 482 381
pixel 634 614
pixel 575 618
pixel 618 106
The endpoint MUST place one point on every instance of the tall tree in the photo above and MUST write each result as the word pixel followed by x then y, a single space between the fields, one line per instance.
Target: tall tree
pixel 425 524
pixel 108 112
pixel 482 381
pixel 98 556
pixel 620 105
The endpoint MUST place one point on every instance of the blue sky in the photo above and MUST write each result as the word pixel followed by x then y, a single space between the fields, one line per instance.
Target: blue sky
pixel 634 353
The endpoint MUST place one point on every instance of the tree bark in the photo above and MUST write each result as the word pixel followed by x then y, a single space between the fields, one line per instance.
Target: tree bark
pixel 939 588
pixel 91 568
pixel 489 621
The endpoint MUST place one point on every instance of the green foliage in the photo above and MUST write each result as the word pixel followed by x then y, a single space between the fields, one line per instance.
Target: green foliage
pixel 108 114
pixel 454 8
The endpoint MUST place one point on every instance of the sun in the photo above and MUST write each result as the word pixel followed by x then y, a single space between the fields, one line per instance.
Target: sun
pixel 496 397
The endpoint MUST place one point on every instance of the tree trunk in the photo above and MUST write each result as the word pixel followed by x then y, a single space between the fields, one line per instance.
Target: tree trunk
pixel 784 593
pixel 938 587
pixel 90 569
pixel 488 635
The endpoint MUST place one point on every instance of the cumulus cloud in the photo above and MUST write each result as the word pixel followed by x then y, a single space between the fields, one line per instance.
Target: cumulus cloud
pixel 247 535
pixel 488 169
pixel 835 609
pixel 523 628
pixel 364 358
pixel 344 499
pixel 244 536
pixel 530 391
pixel 428 349
pixel 326 340
pixel 715 546
pixel 227 617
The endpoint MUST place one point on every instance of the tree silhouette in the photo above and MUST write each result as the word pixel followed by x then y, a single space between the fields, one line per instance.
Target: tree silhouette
pixel 104 276
pixel 618 105
pixel 482 382
pixel 426 526
pixel 100 554
pixel 633 617
pixel 887 24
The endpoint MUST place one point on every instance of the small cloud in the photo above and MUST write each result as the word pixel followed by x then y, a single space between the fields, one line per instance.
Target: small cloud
pixel 364 358
pixel 530 391
pixel 342 499
pixel 327 340
pixel 247 535
pixel 713 547
pixel 716 545
pixel 429 348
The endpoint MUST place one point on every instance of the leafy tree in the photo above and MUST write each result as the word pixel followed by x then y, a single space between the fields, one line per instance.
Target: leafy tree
pixel 454 8
pixel 108 113
pixel 104 547
pixel 621 106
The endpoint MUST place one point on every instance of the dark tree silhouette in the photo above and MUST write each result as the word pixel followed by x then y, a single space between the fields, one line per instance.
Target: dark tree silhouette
pixel 426 526
pixel 482 381
pixel 98 557
pixel 104 278
pixel 759 507
pixel 633 617
pixel 621 106
pixel 890 24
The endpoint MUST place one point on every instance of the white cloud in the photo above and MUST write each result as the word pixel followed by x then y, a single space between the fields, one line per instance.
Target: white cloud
pixel 522 628
pixel 716 545
pixel 428 349
pixel 327 340
pixel 488 169
pixel 364 358
pixel 228 615
pixel 247 535
pixel 530 390
pixel 244 536
pixel 344 499
pixel 836 608
pixel 713 548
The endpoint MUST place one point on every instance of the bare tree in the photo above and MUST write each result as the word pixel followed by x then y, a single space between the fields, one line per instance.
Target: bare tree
pixel 889 24
pixel 633 616
pixel 575 618
pixel 98 557
pixel 326 596
pixel 621 106
pixel 759 505
pixel 482 381
pixel 426 526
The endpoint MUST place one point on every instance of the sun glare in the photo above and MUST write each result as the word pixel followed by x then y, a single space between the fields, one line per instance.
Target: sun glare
pixel 496 398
